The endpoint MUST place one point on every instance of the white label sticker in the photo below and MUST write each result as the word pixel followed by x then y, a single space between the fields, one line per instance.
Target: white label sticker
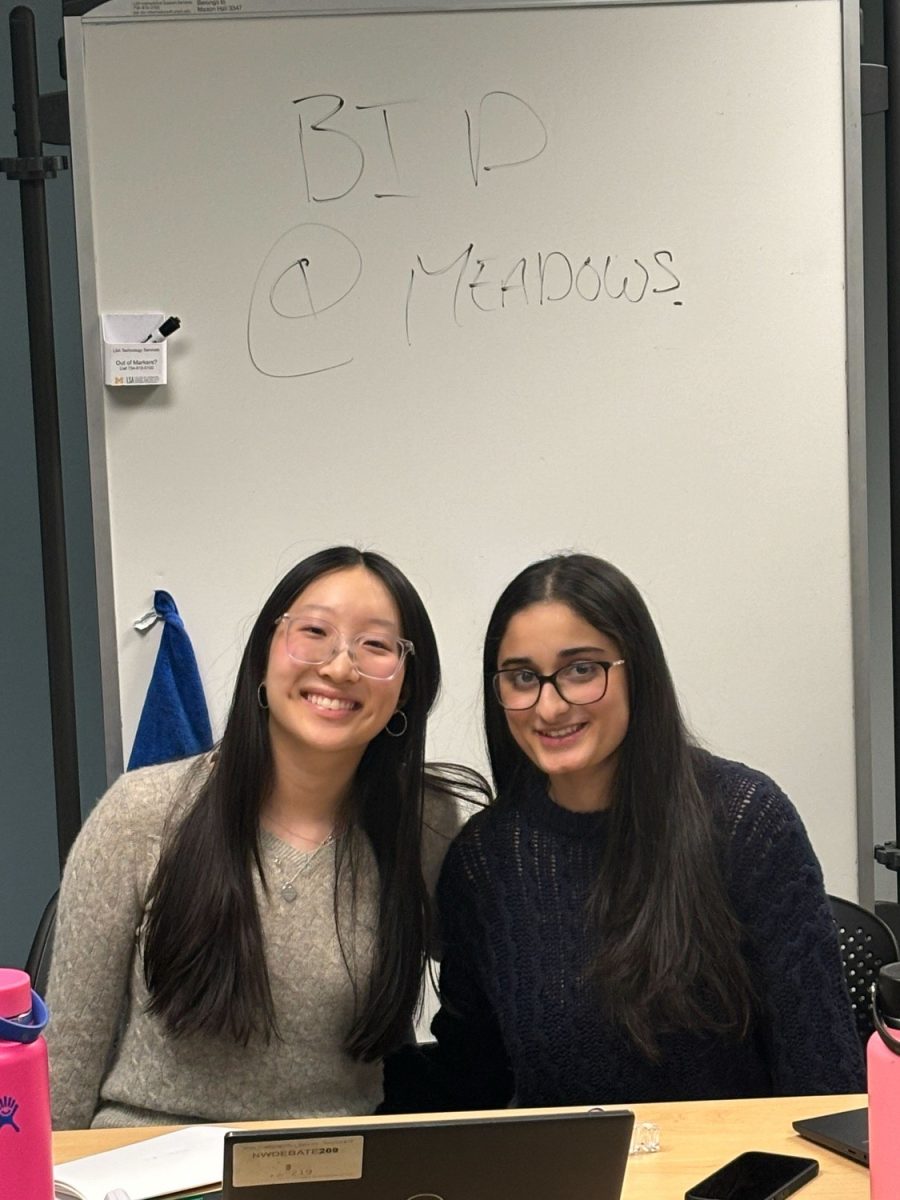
pixel 297 1160
pixel 186 8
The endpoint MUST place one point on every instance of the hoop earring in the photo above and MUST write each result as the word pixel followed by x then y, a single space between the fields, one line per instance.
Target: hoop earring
pixel 397 732
pixel 262 696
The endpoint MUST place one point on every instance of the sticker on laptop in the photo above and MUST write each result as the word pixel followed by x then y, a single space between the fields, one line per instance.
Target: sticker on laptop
pixel 297 1160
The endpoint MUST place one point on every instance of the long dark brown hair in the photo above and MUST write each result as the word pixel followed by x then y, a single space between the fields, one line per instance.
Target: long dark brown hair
pixel 204 959
pixel 668 942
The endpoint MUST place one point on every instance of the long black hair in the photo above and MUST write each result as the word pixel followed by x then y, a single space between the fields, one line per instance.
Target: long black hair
pixel 668 944
pixel 204 960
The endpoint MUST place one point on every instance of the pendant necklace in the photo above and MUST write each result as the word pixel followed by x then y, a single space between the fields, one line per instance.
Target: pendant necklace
pixel 287 889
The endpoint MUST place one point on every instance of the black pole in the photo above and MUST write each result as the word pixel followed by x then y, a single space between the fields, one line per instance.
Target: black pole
pixel 31 177
pixel 892 151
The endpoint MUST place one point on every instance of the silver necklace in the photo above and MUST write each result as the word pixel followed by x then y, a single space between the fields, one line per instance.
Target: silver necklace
pixel 287 889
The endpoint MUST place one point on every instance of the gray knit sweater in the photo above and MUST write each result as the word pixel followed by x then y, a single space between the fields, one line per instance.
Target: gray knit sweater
pixel 113 1064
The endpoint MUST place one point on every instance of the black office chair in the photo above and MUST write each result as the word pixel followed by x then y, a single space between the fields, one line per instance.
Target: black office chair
pixel 38 964
pixel 867 943
pixel 889 911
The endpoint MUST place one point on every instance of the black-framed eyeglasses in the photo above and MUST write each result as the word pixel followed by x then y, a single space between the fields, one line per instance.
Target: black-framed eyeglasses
pixel 581 682
pixel 314 642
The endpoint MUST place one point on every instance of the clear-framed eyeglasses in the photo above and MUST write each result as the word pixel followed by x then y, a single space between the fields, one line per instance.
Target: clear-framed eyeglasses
pixel 581 682
pixel 314 642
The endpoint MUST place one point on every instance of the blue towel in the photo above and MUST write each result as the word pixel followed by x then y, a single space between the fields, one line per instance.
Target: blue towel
pixel 175 721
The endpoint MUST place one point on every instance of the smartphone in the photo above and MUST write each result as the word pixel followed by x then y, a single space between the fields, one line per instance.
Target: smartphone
pixel 756 1176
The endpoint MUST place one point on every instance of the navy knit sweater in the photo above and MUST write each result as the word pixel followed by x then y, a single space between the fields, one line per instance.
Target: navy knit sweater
pixel 517 1021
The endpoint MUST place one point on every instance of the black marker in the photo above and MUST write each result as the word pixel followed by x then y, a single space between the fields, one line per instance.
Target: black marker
pixel 168 326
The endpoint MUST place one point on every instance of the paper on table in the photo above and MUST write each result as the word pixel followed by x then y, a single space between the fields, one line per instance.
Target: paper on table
pixel 187 1159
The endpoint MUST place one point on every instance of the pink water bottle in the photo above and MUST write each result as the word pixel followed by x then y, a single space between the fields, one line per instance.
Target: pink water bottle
pixel 26 1156
pixel 884 1086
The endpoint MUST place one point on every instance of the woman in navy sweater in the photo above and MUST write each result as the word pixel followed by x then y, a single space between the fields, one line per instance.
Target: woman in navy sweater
pixel 633 919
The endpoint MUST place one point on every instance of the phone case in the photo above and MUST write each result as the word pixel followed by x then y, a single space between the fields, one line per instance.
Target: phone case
pixel 794 1172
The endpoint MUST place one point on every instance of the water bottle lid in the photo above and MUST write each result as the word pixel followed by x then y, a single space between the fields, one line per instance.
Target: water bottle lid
pixel 889 989
pixel 15 992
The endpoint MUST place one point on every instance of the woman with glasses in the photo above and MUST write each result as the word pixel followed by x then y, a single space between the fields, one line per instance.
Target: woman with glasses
pixel 634 919
pixel 243 935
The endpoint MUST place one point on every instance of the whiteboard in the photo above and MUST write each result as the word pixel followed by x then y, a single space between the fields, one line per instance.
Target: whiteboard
pixel 473 286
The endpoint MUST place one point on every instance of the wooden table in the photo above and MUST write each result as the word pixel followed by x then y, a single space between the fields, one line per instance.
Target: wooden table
pixel 696 1138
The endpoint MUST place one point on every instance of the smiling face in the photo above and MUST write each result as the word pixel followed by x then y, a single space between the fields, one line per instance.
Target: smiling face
pixel 575 745
pixel 331 708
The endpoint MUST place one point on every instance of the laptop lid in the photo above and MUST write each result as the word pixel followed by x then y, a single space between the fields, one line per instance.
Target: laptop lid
pixel 544 1157
pixel 845 1132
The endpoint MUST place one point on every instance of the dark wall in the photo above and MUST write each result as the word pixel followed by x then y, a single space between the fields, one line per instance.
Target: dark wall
pixel 28 843
pixel 878 465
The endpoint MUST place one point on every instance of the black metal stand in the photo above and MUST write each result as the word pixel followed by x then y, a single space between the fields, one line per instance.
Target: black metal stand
pixel 30 169
pixel 887 855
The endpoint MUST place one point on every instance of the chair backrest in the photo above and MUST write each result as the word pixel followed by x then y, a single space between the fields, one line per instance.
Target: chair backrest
pixel 867 943
pixel 38 964
pixel 889 911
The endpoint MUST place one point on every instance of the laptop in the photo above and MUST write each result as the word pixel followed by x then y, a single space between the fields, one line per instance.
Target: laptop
pixel 845 1132
pixel 544 1157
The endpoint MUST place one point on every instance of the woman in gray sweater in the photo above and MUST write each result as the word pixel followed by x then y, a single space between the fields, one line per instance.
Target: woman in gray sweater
pixel 243 935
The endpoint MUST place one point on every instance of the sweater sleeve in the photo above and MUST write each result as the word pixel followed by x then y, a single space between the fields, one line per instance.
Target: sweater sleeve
pixel 807 1023
pixel 466 1067
pixel 100 909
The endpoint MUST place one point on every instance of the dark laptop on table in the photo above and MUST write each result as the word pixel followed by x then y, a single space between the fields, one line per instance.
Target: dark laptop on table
pixel 845 1132
pixel 558 1156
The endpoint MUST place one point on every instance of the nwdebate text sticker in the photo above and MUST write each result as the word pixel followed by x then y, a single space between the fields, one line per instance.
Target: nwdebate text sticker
pixel 297 1160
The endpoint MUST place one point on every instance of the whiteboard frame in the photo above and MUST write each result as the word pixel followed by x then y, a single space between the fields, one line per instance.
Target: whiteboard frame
pixel 120 11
